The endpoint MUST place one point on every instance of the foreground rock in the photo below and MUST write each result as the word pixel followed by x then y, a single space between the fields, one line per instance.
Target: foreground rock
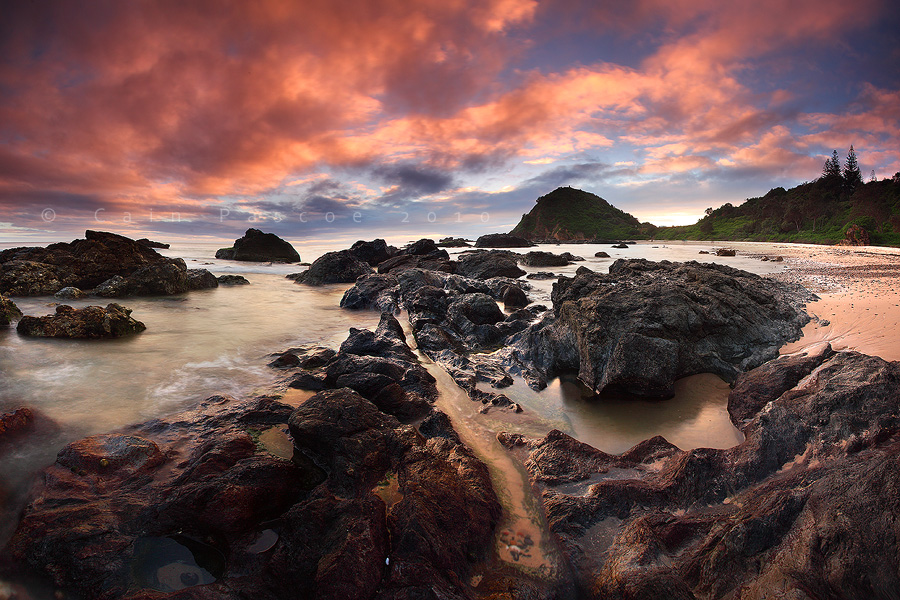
pixel 91 322
pixel 502 240
pixel 780 514
pixel 647 324
pixel 255 499
pixel 9 312
pixel 334 267
pixel 257 246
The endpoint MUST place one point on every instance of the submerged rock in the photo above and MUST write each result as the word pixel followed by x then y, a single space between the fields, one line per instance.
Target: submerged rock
pixel 15 422
pixel 89 322
pixel 232 280
pixel 646 324
pixel 257 246
pixel 541 275
pixel 334 267
pixel 452 242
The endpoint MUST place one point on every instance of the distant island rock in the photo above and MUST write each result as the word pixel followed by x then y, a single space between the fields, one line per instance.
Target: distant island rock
pixel 569 214
pixel 257 246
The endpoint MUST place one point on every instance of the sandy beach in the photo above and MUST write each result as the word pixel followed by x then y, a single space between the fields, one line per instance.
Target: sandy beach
pixel 858 289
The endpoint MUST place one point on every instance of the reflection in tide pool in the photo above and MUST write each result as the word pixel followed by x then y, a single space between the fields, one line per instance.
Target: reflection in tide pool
pixel 696 417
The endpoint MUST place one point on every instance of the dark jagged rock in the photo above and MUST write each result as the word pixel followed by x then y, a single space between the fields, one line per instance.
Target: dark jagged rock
pixel 374 291
pixel 502 240
pixel 436 261
pixel 754 389
pixel 114 287
pixel 257 246
pixel 571 257
pixel 726 252
pixel 334 267
pixel 9 312
pixel 152 244
pixel 70 293
pixel 541 275
pixel 374 252
pixel 779 513
pixel 89 322
pixel 646 324
pixel 620 246
pixel 232 280
pixel 422 247
pixel 486 264
pixel 201 279
pixel 514 297
pixel 83 263
pixel 161 279
pixel 537 258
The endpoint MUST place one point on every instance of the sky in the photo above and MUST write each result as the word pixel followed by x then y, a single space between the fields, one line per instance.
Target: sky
pixel 356 119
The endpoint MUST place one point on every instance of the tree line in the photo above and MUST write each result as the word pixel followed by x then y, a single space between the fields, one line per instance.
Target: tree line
pixel 848 176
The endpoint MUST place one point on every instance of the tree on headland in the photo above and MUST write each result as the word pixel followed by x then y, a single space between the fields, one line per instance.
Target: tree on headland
pixel 832 166
pixel 852 176
pixel 873 179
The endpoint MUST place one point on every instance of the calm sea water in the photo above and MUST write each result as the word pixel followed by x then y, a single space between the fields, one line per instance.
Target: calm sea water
pixel 219 341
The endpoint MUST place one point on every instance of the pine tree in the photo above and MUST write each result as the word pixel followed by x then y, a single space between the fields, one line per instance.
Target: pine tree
pixel 873 179
pixel 832 166
pixel 852 176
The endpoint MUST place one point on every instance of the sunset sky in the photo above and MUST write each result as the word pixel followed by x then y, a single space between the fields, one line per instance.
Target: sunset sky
pixel 353 119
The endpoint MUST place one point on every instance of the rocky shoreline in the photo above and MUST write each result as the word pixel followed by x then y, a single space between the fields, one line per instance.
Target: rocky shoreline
pixel 363 489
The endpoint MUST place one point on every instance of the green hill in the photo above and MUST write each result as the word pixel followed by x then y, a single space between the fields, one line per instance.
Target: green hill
pixel 569 214
pixel 819 212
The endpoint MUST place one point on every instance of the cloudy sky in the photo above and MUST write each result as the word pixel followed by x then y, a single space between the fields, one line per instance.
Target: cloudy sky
pixel 355 119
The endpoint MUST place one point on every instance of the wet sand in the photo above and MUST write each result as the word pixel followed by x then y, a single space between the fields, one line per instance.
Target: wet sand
pixel 859 295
